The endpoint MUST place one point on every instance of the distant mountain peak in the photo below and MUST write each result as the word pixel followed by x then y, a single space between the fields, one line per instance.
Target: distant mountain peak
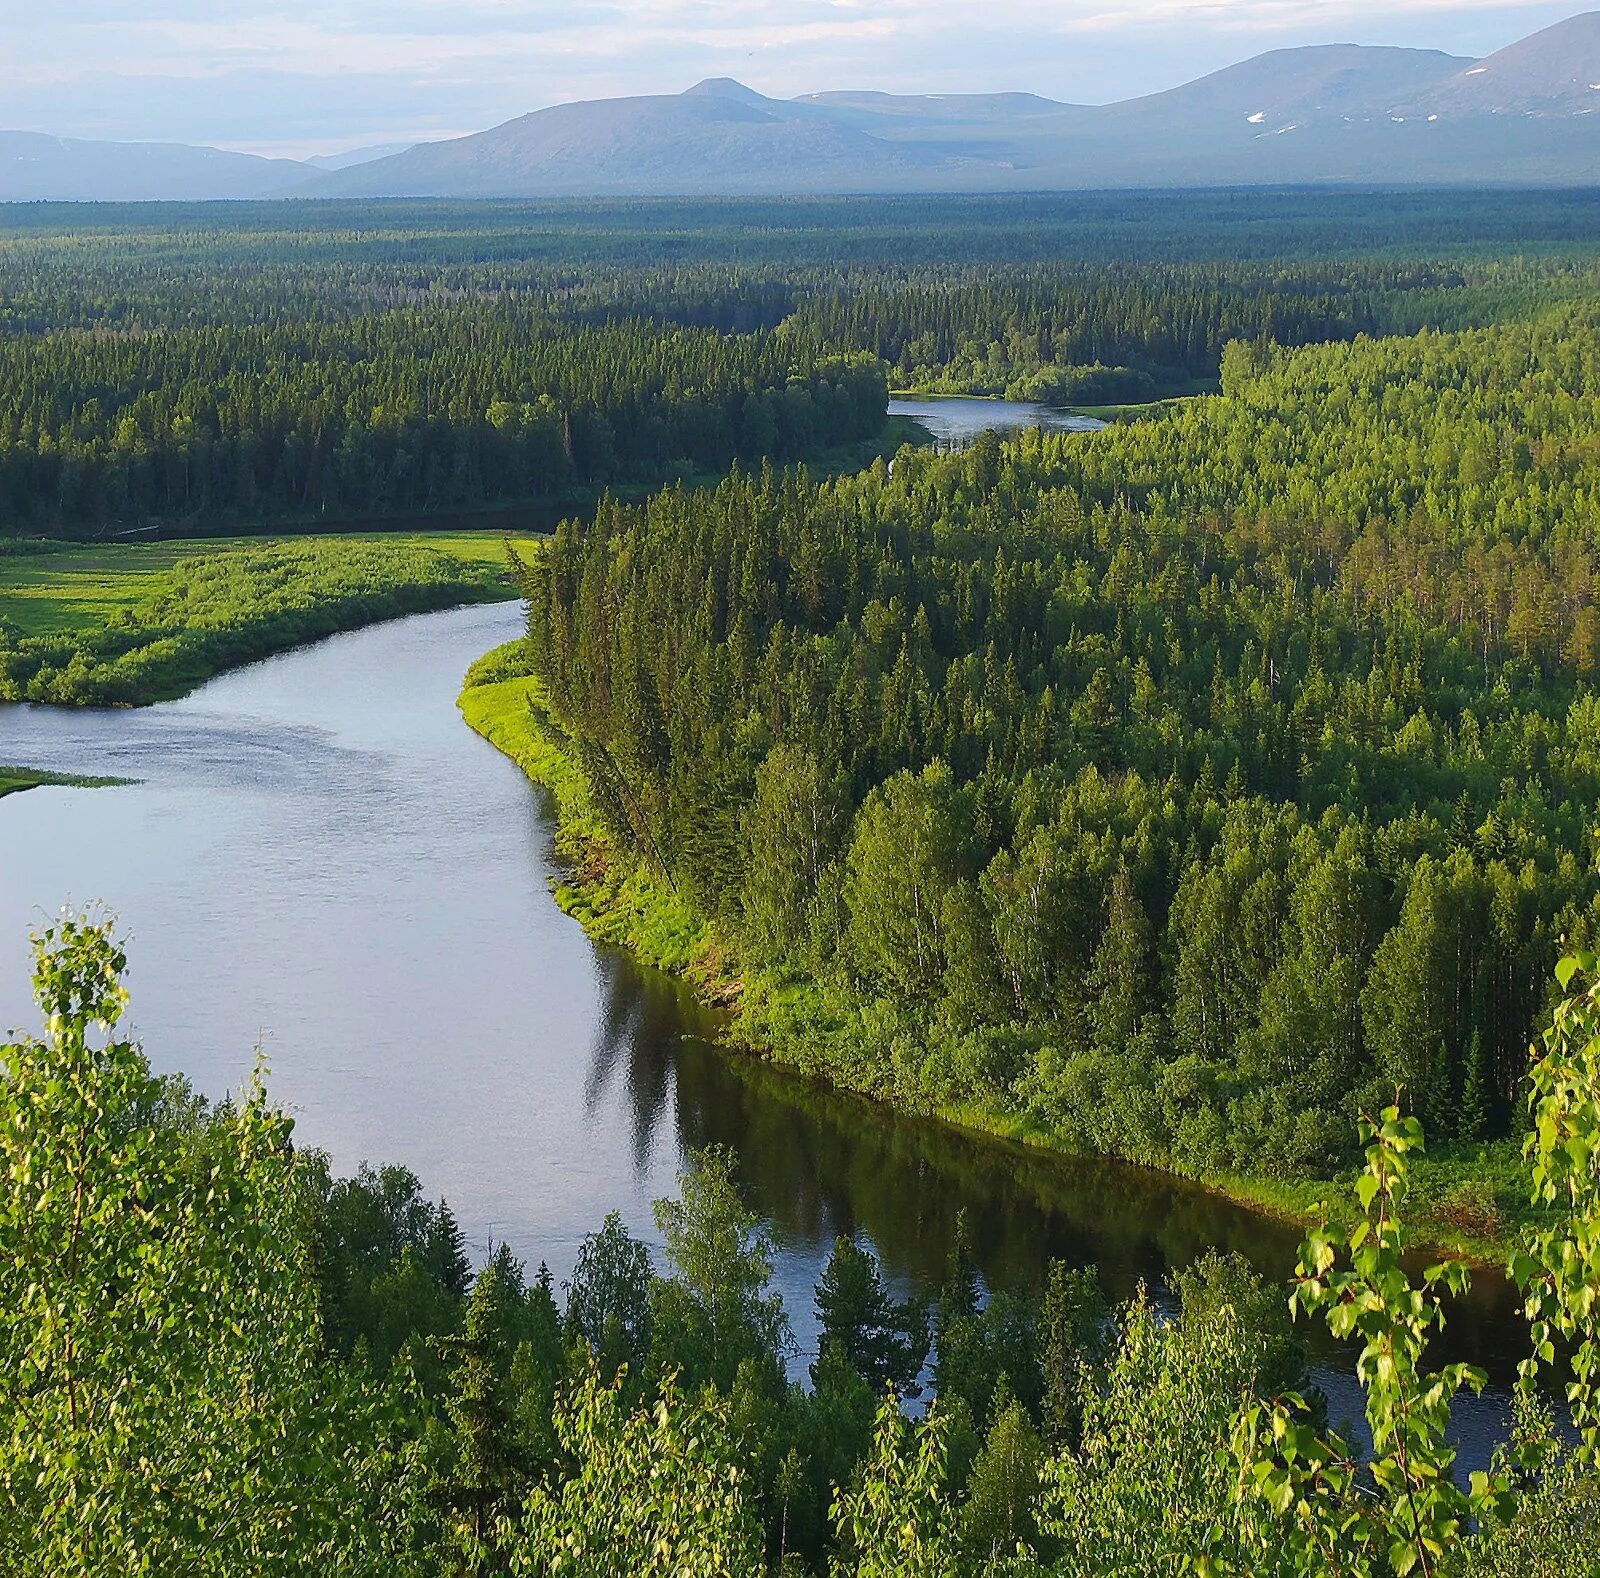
pixel 725 88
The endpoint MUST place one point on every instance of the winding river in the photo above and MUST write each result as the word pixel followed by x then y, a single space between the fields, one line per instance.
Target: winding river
pixel 320 859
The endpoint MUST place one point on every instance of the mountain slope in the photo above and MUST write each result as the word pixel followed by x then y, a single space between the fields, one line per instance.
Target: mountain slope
pixel 699 141
pixel 1326 113
pixel 34 166
pixel 1554 72
pixel 1323 80
pixel 353 156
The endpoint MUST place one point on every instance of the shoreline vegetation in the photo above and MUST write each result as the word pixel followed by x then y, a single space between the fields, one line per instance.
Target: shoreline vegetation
pixel 1110 411
pixel 131 625
pixel 1176 792
pixel 13 780
pixel 128 626
pixel 1465 1197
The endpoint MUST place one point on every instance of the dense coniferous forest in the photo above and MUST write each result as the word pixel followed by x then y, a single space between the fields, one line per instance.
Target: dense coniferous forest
pixel 306 363
pixel 1177 789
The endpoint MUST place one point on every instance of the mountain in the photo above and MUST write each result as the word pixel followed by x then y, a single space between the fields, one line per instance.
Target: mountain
pixel 353 156
pixel 718 137
pixel 1317 82
pixel 35 166
pixel 1328 113
pixel 1554 73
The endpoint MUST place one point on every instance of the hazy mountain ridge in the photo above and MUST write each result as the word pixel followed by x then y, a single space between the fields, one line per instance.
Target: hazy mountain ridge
pixel 34 165
pixel 1323 113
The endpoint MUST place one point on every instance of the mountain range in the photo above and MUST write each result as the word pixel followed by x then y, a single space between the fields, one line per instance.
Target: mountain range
pixel 1525 115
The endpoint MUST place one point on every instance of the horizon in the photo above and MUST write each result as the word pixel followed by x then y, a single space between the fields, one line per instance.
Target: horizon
pixel 292 81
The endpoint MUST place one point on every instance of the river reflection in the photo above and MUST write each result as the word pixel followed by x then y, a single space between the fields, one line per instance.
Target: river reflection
pixel 955 420
pixel 319 855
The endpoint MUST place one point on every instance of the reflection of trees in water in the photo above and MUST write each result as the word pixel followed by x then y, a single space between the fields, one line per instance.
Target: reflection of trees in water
pixel 819 1163
pixel 641 1019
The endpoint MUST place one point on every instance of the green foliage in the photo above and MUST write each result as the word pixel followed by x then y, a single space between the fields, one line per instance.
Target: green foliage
pixel 882 1339
pixel 176 1401
pixel 166 1405
pixel 1552 1520
pixel 214 610
pixel 655 1491
pixel 1402 1511
pixel 1146 1490
pixel 998 1516
pixel 1559 1270
pixel 895 1521
pixel 608 1298
pixel 717 1311
pixel 1112 825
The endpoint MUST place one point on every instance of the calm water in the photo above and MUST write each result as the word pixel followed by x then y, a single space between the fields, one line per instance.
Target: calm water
pixel 321 858
pixel 955 420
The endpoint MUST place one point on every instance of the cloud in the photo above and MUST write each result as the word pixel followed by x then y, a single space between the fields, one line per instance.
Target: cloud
pixel 312 75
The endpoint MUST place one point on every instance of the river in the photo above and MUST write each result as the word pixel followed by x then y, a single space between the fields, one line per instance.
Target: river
pixel 954 420
pixel 320 858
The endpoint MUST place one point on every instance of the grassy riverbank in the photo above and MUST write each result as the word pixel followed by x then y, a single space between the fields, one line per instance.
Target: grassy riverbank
pixel 1466 1199
pixel 126 625
pixel 15 779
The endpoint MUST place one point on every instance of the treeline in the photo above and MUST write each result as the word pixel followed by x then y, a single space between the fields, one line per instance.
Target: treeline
pixel 1174 791
pixel 218 1359
pixel 1024 338
pixel 407 412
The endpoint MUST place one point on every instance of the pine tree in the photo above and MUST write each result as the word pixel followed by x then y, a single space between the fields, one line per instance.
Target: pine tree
pixel 1005 1479
pixel 1474 1110
pixel 884 1340
pixel 482 1425
pixel 1118 985
pixel 1072 1322
pixel 445 1253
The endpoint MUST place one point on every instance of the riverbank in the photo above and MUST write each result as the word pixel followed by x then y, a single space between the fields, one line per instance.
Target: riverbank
pixel 129 625
pixel 1110 412
pixel 1466 1200
pixel 15 779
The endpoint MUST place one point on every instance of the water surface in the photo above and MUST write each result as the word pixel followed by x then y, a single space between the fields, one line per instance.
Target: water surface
pixel 955 420
pixel 323 860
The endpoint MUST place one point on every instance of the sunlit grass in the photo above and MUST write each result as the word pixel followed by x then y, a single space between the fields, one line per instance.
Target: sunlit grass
pixel 49 588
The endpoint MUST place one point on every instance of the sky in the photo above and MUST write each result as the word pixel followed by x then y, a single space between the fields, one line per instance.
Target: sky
pixel 298 77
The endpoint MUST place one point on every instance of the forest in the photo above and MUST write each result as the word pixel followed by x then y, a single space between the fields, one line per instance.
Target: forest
pixel 299 365
pixel 1172 791
pixel 221 1358
pixel 1214 791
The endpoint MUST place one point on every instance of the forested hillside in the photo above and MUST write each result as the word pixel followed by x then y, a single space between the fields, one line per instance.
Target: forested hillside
pixel 1173 791
pixel 1215 790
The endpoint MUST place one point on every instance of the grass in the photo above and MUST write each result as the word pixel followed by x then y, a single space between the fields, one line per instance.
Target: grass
pixel 1136 412
pixel 15 779
pixel 615 901
pixel 1469 1200
pixel 62 588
